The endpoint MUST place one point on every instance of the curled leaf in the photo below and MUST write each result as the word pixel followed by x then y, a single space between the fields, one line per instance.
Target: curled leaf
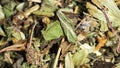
pixel 67 25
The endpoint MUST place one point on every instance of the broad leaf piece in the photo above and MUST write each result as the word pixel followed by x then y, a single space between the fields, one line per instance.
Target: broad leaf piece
pixel 113 11
pixel 80 57
pixel 53 31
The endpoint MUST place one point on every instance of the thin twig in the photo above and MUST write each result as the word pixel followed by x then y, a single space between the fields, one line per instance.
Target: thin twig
pixel 57 57
pixel 108 21
pixel 58 54
pixel 15 47
pixel 31 36
pixel 78 25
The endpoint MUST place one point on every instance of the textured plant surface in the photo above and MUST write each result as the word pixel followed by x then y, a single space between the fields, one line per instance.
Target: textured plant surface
pixel 59 34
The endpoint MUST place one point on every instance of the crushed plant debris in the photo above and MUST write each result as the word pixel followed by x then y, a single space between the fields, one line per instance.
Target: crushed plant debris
pixel 59 33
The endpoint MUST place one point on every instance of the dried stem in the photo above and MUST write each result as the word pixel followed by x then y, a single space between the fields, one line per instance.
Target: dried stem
pixel 16 47
pixel 31 36
pixel 57 57
pixel 32 9
pixel 78 25
pixel 58 54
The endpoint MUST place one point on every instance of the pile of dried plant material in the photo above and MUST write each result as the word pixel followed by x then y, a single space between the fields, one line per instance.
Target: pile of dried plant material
pixel 59 34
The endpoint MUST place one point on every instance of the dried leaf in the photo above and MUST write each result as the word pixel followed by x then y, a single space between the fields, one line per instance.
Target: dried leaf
pixel 117 65
pixel 25 65
pixel 1 13
pixel 80 57
pixel 37 29
pixel 94 11
pixel 69 61
pixel 113 11
pixel 8 8
pixel 53 31
pixel 2 32
pixel 17 35
pixel 103 26
pixel 47 9
pixel 87 47
pixel 81 36
pixel 20 6
pixel 67 25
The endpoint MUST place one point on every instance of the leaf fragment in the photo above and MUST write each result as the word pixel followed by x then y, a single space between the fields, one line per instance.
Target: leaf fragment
pixel 17 35
pixel 69 61
pixel 8 8
pixel 80 57
pixel 47 8
pixel 1 13
pixel 113 11
pixel 2 32
pixel 53 31
pixel 103 26
pixel 67 25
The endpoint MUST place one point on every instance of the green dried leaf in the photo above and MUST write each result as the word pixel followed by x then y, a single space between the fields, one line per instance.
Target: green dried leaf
pixel 53 31
pixel 18 35
pixel 8 8
pixel 80 57
pixel 25 65
pixel 2 32
pixel 1 13
pixel 47 9
pixel 69 61
pixel 67 25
